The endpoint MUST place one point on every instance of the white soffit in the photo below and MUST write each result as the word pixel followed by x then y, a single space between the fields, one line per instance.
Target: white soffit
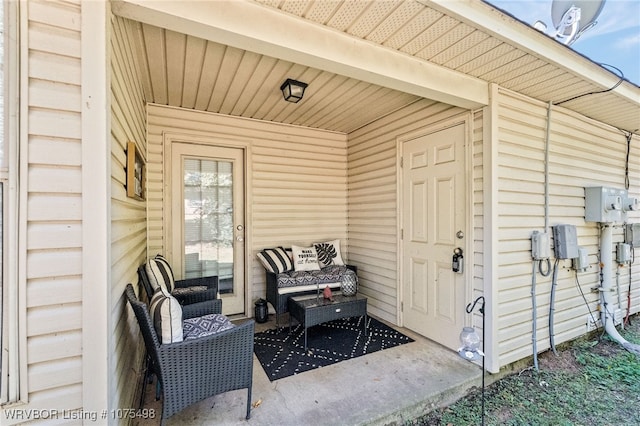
pixel 527 39
pixel 253 27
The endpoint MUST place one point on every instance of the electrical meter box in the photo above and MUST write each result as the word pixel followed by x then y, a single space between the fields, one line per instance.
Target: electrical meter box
pixel 565 241
pixel 632 234
pixel 630 204
pixel 604 205
pixel 581 263
pixel 623 253
pixel 540 245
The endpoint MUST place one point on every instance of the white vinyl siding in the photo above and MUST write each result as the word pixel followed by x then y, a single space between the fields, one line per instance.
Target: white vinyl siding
pixel 54 203
pixel 296 181
pixel 128 216
pixel 582 153
pixel 373 209
pixel 51 190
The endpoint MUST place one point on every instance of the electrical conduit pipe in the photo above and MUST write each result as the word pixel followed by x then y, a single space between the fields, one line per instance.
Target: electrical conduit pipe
pixel 606 258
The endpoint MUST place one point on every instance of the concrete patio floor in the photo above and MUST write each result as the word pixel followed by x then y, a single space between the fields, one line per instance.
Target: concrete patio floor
pixel 387 387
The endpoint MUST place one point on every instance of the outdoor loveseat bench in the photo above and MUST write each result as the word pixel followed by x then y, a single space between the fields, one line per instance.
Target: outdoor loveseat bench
pixel 284 281
pixel 296 283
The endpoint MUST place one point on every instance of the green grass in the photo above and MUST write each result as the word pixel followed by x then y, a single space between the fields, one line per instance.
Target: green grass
pixel 591 382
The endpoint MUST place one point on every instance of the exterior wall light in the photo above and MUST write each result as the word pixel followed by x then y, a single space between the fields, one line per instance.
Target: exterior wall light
pixel 293 90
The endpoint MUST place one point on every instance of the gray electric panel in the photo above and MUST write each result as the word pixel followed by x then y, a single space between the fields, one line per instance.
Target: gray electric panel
pixel 605 205
pixel 565 241
pixel 623 253
pixel 540 245
pixel 632 234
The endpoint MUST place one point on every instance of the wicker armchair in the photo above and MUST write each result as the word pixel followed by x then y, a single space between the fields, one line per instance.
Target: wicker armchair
pixel 191 290
pixel 193 370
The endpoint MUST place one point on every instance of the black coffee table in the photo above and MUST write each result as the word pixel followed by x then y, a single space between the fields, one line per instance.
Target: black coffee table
pixel 312 310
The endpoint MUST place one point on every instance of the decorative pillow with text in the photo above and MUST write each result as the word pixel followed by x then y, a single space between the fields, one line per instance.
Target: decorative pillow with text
pixel 305 258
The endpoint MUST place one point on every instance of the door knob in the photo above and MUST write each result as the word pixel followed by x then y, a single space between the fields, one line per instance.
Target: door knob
pixel 457 262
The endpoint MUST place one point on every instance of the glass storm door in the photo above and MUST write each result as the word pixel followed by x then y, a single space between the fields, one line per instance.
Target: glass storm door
pixel 208 218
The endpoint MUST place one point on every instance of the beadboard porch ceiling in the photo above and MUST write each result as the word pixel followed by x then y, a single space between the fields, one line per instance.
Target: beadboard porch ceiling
pixel 183 67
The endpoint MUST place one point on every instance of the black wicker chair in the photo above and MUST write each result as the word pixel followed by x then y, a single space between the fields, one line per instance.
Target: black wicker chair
pixel 191 290
pixel 196 369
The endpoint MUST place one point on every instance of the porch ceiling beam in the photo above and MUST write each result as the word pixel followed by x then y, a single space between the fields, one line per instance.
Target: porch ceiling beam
pixel 508 29
pixel 264 30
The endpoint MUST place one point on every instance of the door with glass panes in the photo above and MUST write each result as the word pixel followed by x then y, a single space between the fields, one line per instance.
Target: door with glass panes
pixel 207 210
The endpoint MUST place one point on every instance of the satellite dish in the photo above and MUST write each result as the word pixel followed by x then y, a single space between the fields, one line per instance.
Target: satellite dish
pixel 571 18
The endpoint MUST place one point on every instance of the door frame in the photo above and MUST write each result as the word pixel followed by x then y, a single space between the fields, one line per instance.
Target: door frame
pixel 465 119
pixel 214 140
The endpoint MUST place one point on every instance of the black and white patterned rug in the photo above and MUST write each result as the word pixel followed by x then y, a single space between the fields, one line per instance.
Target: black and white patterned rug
pixel 282 353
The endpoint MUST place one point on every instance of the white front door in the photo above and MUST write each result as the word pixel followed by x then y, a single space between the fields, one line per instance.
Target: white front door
pixel 207 210
pixel 433 223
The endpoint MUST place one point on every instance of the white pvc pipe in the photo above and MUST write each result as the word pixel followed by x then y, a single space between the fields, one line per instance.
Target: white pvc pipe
pixel 606 314
pixel 618 292
pixel 546 168
pixel 534 310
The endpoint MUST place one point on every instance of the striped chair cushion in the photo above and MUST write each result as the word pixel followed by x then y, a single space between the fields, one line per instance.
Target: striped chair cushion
pixel 275 260
pixel 166 314
pixel 160 274
pixel 206 325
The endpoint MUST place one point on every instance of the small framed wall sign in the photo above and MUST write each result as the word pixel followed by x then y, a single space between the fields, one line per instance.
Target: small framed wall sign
pixel 135 172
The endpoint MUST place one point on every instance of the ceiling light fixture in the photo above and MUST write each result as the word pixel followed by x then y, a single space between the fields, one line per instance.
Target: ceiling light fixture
pixel 293 90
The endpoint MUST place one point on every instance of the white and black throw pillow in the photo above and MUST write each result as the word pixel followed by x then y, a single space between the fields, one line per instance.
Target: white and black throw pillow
pixel 205 326
pixel 166 315
pixel 275 260
pixel 160 273
pixel 305 258
pixel 329 253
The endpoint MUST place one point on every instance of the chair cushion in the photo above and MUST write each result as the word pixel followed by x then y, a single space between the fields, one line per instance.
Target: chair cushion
pixel 160 274
pixel 305 258
pixel 275 260
pixel 327 275
pixel 329 253
pixel 206 325
pixel 183 291
pixel 166 314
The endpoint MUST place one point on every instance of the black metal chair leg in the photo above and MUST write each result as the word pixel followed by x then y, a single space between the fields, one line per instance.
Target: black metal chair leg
pixel 249 403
